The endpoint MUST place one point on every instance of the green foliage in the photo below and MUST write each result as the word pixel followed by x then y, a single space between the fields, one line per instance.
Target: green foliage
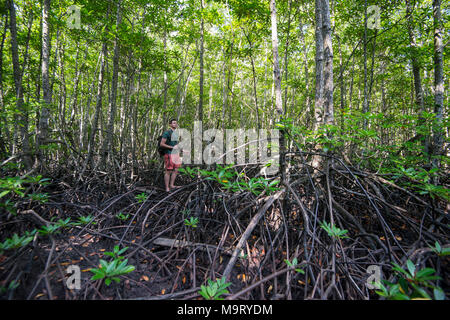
pixel 50 229
pixel 412 284
pixel 12 286
pixel 231 181
pixel 333 231
pixel 116 253
pixel 142 197
pixel 214 289
pixel 11 185
pixel 293 264
pixel 83 220
pixel 16 242
pixel 38 197
pixel 441 252
pixel 122 216
pixel 185 212
pixel 192 222
pixel 64 223
pixel 9 206
pixel 112 270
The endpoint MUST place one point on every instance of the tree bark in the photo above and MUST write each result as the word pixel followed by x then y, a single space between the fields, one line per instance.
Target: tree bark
pixel 202 31
pixel 98 104
pixel 318 99
pixel 108 142
pixel 277 82
pixel 419 101
pixel 23 118
pixel 328 64
pixel 438 137
pixel 365 106
pixel 42 128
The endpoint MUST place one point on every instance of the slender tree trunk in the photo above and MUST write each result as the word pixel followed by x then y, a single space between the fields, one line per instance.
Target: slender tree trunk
pixel 328 64
pixel 6 136
pixel 98 105
pixel 438 136
pixel 255 93
pixel 108 142
pixel 277 83
pixel 341 82
pixel 44 115
pixel 23 119
pixel 318 100
pixel 286 56
pixel 419 101
pixel 365 107
pixel 309 109
pixel 350 93
pixel 200 101
pixel 165 79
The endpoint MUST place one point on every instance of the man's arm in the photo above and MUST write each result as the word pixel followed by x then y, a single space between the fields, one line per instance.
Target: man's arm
pixel 163 144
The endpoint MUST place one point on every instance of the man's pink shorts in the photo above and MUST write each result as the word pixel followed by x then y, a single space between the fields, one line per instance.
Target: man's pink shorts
pixel 172 161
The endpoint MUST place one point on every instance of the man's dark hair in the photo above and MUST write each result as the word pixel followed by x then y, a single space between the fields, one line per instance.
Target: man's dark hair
pixel 172 120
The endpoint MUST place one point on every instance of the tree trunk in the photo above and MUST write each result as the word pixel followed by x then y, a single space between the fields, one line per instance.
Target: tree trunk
pixel 286 57
pixel 419 101
pixel 365 106
pixel 200 101
pixel 318 100
pixel 277 82
pixel 328 64
pixel 42 132
pixel 108 142
pixel 438 137
pixel 6 135
pixel 23 118
pixel 98 105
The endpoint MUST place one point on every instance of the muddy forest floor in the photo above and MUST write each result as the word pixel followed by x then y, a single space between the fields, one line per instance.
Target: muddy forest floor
pixel 243 236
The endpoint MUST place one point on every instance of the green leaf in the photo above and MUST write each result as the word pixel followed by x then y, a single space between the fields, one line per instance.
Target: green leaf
pixel 411 267
pixel 439 294
pixel 4 193
pixel 424 272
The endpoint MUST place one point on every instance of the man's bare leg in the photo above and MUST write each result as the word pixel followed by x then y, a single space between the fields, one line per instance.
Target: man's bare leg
pixel 172 179
pixel 167 179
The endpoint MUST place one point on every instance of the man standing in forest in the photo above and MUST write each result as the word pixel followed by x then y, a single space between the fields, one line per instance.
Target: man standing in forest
pixel 172 159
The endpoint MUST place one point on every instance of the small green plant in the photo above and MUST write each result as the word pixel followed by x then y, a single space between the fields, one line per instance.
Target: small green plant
pixel 38 197
pixel 38 180
pixel 111 271
pixel 48 230
pixel 412 284
pixel 293 264
pixel 333 231
pixel 16 242
pixel 12 286
pixel 142 197
pixel 190 172
pixel 185 212
pixel 116 253
pixel 214 289
pixel 85 220
pixel 11 185
pixel 192 222
pixel 9 206
pixel 439 250
pixel 64 223
pixel 123 217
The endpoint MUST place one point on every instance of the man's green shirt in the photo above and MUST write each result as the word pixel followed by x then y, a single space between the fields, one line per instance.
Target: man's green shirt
pixel 171 139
